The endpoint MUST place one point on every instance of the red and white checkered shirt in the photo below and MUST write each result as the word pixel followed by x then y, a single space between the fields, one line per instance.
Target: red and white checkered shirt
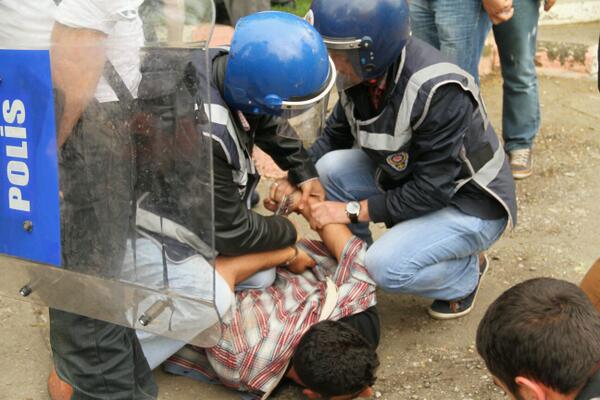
pixel 260 337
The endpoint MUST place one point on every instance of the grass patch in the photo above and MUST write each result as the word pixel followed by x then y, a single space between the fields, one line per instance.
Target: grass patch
pixel 300 9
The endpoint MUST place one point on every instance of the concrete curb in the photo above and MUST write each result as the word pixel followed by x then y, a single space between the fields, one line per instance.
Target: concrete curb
pixel 552 58
pixel 571 13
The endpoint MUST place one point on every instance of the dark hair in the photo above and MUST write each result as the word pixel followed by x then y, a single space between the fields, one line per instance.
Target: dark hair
pixel 334 359
pixel 544 329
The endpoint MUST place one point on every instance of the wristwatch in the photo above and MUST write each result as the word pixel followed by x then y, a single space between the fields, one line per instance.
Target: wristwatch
pixel 352 211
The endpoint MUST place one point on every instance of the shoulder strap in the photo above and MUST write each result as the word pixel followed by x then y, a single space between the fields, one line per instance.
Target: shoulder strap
pixel 116 83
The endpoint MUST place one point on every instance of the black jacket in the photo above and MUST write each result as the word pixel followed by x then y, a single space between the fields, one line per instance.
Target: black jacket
pixel 239 230
pixel 427 181
pixel 173 170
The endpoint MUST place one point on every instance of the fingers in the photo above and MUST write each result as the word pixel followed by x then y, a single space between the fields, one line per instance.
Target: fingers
pixel 270 205
pixel 304 199
pixel 499 11
pixel 273 191
pixel 506 15
pixel 303 262
pixel 280 188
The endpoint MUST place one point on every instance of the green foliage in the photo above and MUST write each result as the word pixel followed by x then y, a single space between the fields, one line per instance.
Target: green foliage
pixel 301 8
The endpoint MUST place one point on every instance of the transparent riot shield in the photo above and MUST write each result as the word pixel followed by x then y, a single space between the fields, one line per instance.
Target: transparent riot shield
pixel 107 202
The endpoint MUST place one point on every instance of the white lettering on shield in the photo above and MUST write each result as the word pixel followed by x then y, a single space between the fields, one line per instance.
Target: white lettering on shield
pixel 17 170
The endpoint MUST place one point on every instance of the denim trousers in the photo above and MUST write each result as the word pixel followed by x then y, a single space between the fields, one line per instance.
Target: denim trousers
pixel 433 256
pixel 457 28
pixel 516 40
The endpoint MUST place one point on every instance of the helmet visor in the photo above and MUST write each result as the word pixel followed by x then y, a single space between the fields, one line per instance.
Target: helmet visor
pixel 304 118
pixel 304 125
pixel 348 66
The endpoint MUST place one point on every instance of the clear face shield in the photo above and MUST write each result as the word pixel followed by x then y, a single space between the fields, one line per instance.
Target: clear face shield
pixel 304 118
pixel 351 58
pixel 107 204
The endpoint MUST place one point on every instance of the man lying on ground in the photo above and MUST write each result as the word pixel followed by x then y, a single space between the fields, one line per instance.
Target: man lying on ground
pixel 541 341
pixel 310 320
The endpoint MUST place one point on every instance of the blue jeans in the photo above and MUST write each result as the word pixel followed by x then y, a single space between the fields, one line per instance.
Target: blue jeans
pixel 434 256
pixel 456 27
pixel 516 40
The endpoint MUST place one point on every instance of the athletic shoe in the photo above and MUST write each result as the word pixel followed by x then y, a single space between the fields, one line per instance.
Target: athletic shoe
pixel 521 163
pixel 444 309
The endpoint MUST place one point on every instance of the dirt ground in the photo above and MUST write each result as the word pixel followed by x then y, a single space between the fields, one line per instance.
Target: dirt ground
pixel 558 235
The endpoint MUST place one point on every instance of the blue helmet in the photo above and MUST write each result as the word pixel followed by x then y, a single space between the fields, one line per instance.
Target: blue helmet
pixel 369 34
pixel 277 62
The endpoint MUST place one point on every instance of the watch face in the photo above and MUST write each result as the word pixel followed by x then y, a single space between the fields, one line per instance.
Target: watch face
pixel 353 208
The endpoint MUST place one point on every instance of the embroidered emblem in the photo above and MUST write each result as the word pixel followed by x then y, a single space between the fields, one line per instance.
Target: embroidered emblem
pixel 398 161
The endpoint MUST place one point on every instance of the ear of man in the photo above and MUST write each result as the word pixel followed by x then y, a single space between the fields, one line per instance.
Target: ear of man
pixel 529 389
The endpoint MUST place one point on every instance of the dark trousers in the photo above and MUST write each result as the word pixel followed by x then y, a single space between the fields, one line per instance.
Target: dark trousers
pixel 99 359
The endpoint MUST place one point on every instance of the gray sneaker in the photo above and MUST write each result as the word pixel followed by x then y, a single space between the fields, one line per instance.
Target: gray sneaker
pixel 521 163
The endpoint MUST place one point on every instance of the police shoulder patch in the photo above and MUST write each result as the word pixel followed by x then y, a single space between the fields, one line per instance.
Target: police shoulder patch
pixel 398 161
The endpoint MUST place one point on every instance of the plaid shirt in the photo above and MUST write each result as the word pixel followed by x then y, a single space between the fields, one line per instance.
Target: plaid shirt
pixel 263 332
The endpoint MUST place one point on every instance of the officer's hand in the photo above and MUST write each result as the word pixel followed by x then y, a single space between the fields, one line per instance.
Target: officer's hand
pixel 499 11
pixel 301 263
pixel 548 4
pixel 292 201
pixel 280 188
pixel 311 188
pixel 327 212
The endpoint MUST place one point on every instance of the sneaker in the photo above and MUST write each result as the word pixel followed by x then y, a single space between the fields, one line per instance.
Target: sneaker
pixel 521 163
pixel 444 309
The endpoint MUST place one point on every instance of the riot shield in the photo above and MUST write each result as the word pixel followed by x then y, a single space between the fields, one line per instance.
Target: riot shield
pixel 105 150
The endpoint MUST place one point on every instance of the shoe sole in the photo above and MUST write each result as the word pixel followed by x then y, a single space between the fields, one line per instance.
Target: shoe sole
pixel 522 175
pixel 445 317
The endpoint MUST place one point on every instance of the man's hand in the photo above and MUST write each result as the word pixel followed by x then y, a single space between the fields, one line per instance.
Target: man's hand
pixel 548 4
pixel 301 263
pixel 280 188
pixel 311 188
pixel 499 11
pixel 327 212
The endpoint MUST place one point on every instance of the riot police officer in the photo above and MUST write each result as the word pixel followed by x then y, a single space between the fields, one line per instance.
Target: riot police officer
pixel 409 144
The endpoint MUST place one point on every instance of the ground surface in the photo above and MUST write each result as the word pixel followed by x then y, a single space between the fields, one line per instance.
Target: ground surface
pixel 558 236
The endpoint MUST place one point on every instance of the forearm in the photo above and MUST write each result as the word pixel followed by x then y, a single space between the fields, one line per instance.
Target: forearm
pixel 237 269
pixel 77 59
pixel 239 230
pixel 335 236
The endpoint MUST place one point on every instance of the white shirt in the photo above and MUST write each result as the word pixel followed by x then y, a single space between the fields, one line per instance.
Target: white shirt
pixel 27 24
pixel 120 21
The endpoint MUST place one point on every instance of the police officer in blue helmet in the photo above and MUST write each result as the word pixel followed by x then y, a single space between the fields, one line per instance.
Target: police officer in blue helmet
pixel 277 67
pixel 409 144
